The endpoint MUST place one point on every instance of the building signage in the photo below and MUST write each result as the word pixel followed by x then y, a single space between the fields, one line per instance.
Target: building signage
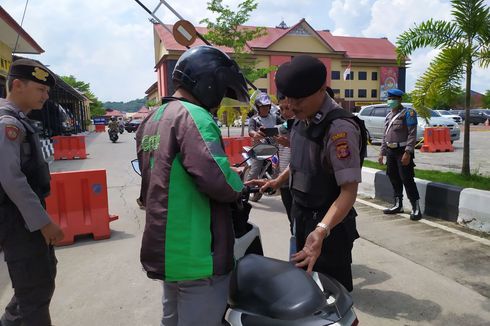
pixel 388 80
pixel 5 59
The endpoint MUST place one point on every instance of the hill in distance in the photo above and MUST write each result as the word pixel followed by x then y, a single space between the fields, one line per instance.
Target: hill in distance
pixel 131 106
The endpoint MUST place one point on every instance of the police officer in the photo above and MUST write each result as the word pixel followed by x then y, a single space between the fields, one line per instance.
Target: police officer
pixel 324 171
pixel 27 233
pixel 398 146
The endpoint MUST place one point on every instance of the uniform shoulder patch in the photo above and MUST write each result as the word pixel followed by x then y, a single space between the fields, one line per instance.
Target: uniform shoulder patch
pixel 339 135
pixel 342 150
pixel 12 132
pixel 411 117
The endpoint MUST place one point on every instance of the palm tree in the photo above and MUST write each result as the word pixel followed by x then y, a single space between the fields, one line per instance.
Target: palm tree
pixel 464 42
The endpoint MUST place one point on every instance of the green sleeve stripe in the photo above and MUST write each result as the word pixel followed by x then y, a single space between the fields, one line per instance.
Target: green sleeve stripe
pixel 188 237
pixel 211 134
pixel 158 115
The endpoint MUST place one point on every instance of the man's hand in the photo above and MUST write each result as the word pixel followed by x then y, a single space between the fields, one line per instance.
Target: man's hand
pixel 283 140
pixel 52 233
pixel 405 159
pixel 258 135
pixel 264 184
pixel 380 159
pixel 311 251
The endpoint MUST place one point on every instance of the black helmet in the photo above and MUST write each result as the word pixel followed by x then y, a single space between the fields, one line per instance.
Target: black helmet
pixel 209 75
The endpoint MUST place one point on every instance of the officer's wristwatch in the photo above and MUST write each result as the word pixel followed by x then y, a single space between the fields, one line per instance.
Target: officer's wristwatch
pixel 325 227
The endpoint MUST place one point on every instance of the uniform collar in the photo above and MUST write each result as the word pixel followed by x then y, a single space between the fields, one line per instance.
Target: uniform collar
pixel 12 107
pixel 328 105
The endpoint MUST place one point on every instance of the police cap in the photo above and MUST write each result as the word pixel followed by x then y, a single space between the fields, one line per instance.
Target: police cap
pixel 395 92
pixel 301 77
pixel 31 70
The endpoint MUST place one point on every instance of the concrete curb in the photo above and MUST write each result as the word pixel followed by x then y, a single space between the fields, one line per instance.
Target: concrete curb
pixel 466 206
pixel 473 209
pixel 366 187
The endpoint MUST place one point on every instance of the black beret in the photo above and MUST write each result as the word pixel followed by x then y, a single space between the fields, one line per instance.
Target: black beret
pixel 31 70
pixel 301 77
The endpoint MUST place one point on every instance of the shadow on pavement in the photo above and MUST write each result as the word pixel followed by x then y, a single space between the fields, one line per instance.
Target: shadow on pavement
pixel 387 304
pixel 86 240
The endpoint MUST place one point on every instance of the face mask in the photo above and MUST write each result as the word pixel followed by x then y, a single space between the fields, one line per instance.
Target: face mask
pixel 393 103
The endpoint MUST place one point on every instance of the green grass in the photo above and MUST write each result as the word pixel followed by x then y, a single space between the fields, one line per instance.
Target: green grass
pixel 456 179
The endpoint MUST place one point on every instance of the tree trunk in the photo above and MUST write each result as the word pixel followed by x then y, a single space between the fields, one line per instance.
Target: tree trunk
pixel 465 169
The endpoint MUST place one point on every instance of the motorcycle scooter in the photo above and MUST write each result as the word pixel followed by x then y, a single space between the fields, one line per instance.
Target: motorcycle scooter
pixel 269 169
pixel 113 135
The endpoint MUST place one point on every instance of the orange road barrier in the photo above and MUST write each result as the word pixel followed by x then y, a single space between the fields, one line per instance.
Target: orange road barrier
pixel 99 128
pixel 69 147
pixel 79 205
pixel 437 140
pixel 234 148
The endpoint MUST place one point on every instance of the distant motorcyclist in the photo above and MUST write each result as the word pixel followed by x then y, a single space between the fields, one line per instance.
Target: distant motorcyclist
pixel 262 119
pixel 113 124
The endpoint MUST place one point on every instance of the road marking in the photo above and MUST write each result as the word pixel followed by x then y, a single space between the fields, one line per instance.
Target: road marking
pixel 433 224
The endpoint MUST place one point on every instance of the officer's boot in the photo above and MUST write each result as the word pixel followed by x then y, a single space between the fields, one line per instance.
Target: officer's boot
pixel 416 213
pixel 397 208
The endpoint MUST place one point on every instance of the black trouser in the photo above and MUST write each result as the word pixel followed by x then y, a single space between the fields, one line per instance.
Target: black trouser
pixel 32 269
pixel 401 175
pixel 287 200
pixel 336 258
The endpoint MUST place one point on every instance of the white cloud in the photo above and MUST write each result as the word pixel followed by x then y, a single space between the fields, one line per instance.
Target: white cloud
pixel 109 43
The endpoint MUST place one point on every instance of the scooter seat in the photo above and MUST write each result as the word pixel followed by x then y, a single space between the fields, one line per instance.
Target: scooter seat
pixel 273 288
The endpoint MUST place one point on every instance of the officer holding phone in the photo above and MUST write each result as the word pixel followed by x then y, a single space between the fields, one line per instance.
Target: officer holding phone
pixel 261 125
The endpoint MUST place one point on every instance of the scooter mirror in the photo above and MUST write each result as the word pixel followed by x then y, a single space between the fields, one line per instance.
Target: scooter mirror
pixel 263 151
pixel 136 166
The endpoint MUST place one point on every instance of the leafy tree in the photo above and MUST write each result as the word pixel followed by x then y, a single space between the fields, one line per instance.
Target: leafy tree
pixel 228 31
pixel 464 41
pixel 486 99
pixel 96 107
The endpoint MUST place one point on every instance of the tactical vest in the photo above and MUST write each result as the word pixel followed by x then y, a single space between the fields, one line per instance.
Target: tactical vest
pixel 312 183
pixel 33 164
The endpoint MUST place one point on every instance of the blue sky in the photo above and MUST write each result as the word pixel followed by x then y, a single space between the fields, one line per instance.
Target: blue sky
pixel 109 43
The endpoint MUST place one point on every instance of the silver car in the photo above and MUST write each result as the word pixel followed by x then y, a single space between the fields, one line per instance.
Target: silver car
pixel 449 115
pixel 374 117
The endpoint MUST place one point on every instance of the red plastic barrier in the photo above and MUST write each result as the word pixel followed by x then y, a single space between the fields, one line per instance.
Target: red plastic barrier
pixel 69 147
pixel 437 140
pixel 79 205
pixel 99 128
pixel 234 148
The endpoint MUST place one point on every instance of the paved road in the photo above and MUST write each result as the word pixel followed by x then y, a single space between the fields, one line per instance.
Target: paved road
pixel 452 161
pixel 406 273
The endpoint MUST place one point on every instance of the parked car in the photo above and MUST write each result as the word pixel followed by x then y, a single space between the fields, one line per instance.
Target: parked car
pixel 450 115
pixel 477 116
pixel 132 126
pixel 374 117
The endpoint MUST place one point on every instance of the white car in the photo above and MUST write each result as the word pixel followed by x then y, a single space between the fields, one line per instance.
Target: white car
pixel 374 117
pixel 449 115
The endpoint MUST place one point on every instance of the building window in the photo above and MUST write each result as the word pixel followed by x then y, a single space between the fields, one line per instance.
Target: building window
pixel 362 75
pixel 350 76
pixel 361 93
pixel 374 93
pixel 349 93
pixel 335 75
pixel 374 75
pixel 336 91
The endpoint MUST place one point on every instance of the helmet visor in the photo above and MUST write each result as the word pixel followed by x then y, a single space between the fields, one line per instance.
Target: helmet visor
pixel 236 86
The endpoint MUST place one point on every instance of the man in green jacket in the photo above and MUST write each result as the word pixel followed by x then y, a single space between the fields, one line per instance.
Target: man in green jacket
pixel 187 188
